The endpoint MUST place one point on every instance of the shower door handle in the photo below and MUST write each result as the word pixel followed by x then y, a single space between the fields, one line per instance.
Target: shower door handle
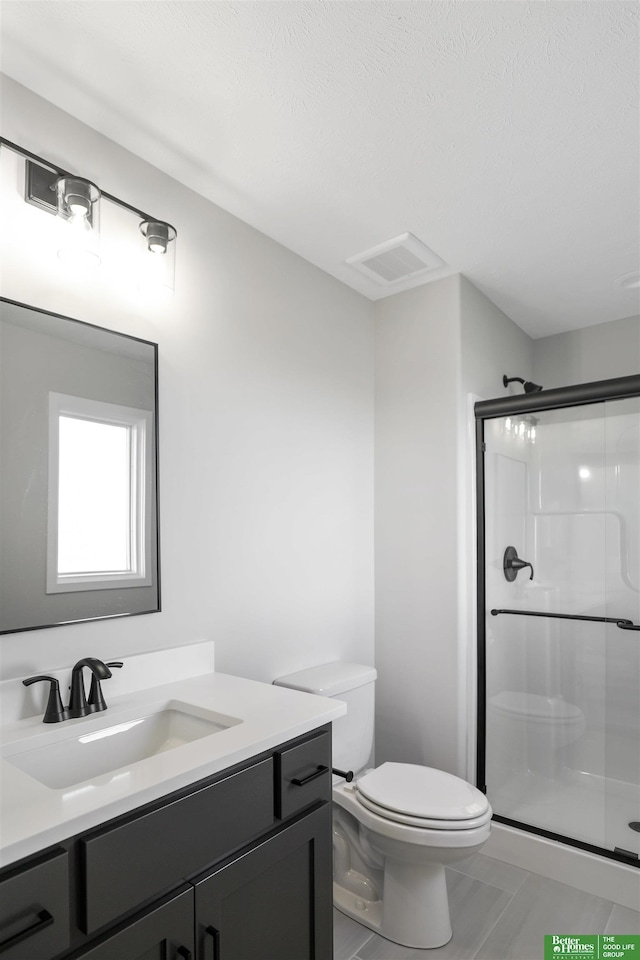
pixel 620 622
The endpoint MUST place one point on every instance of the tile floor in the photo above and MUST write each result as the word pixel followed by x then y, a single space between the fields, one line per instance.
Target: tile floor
pixel 498 912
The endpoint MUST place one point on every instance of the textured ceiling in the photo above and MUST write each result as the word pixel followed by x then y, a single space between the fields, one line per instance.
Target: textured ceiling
pixel 504 135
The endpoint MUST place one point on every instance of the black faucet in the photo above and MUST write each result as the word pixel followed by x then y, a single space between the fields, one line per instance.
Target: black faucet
pixel 96 701
pixel 78 704
pixel 54 711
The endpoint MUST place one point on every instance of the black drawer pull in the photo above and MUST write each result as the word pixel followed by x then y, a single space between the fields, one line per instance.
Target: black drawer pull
pixel 184 953
pixel 44 920
pixel 215 936
pixel 312 776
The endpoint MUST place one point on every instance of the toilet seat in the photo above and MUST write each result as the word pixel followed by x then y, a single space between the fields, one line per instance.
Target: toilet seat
pixel 424 822
pixel 422 797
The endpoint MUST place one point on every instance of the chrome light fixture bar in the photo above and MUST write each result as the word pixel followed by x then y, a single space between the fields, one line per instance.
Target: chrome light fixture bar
pixel 77 201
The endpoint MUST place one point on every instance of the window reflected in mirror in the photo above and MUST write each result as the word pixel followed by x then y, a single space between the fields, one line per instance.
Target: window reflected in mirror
pixel 78 449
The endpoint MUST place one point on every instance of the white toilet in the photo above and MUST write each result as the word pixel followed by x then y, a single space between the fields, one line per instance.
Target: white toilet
pixel 395 827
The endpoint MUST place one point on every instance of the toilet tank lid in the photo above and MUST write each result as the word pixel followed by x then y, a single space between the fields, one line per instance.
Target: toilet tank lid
pixel 329 679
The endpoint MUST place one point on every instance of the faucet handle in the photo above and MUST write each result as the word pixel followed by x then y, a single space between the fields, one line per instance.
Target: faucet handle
pixel 54 711
pixel 96 701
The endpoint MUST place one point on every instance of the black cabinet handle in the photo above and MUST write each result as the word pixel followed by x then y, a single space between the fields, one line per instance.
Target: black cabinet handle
pixel 312 776
pixel 44 920
pixel 215 936
pixel 184 953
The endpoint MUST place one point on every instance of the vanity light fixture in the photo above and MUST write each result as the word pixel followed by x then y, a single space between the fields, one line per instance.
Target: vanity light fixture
pixel 157 234
pixel 523 429
pixel 78 204
pixel 76 201
pixel 159 256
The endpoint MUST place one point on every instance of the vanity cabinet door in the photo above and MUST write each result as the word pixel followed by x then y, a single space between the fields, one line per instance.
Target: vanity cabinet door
pixel 34 908
pixel 272 902
pixel 162 933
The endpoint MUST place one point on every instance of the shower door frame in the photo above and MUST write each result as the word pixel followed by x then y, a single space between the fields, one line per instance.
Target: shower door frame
pixel 582 394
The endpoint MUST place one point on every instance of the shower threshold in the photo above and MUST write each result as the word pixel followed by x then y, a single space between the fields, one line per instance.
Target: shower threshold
pixel 582 807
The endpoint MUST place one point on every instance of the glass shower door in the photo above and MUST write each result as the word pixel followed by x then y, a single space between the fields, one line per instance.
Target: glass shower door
pixel 562 522
pixel 622 684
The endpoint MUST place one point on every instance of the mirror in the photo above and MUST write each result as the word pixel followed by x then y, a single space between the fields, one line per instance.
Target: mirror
pixel 78 471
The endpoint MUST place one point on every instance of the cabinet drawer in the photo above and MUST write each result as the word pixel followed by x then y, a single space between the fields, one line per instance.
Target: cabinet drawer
pixel 139 857
pixel 34 908
pixel 303 774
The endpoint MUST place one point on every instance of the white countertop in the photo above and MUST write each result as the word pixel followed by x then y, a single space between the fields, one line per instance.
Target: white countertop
pixel 34 816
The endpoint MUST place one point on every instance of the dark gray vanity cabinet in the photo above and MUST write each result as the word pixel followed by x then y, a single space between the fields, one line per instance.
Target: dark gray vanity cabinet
pixel 163 932
pixel 270 903
pixel 34 907
pixel 235 867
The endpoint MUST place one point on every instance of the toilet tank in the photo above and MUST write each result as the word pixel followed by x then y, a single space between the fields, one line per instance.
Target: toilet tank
pixel 355 684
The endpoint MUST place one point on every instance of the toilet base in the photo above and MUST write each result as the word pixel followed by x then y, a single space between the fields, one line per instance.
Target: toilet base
pixel 414 911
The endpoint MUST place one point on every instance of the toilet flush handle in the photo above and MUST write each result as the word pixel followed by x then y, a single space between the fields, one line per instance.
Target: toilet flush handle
pixel 345 774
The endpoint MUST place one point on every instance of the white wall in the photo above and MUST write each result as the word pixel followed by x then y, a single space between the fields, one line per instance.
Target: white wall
pixel 266 428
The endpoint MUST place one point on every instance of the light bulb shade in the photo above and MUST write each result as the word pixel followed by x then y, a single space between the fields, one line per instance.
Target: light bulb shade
pixel 158 235
pixel 77 197
pixel 78 205
pixel 158 257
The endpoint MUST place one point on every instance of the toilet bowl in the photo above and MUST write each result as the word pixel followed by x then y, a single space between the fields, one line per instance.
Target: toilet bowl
pixel 395 826
pixel 403 824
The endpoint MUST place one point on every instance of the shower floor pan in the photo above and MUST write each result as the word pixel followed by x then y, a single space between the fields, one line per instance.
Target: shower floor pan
pixel 579 806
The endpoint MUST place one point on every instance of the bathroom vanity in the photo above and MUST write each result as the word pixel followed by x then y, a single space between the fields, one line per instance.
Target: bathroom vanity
pixel 217 848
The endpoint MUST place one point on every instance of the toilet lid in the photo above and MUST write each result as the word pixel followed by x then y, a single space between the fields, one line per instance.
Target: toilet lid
pixel 422 792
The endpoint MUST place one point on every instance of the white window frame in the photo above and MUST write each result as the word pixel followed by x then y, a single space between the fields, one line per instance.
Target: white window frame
pixel 139 423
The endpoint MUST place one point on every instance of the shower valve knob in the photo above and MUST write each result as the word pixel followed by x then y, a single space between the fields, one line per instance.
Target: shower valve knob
pixel 512 564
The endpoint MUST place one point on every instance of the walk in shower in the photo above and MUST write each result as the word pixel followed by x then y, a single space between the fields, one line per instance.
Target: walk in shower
pixel 559 613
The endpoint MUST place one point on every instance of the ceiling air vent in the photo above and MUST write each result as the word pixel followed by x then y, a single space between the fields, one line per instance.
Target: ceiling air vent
pixel 402 258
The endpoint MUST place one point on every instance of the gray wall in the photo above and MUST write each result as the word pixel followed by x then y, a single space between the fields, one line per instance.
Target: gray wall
pixel 417 386
pixel 492 345
pixel 595 353
pixel 266 425
pixel 434 346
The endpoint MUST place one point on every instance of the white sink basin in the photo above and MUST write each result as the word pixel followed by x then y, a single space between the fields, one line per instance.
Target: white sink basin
pixel 103 749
